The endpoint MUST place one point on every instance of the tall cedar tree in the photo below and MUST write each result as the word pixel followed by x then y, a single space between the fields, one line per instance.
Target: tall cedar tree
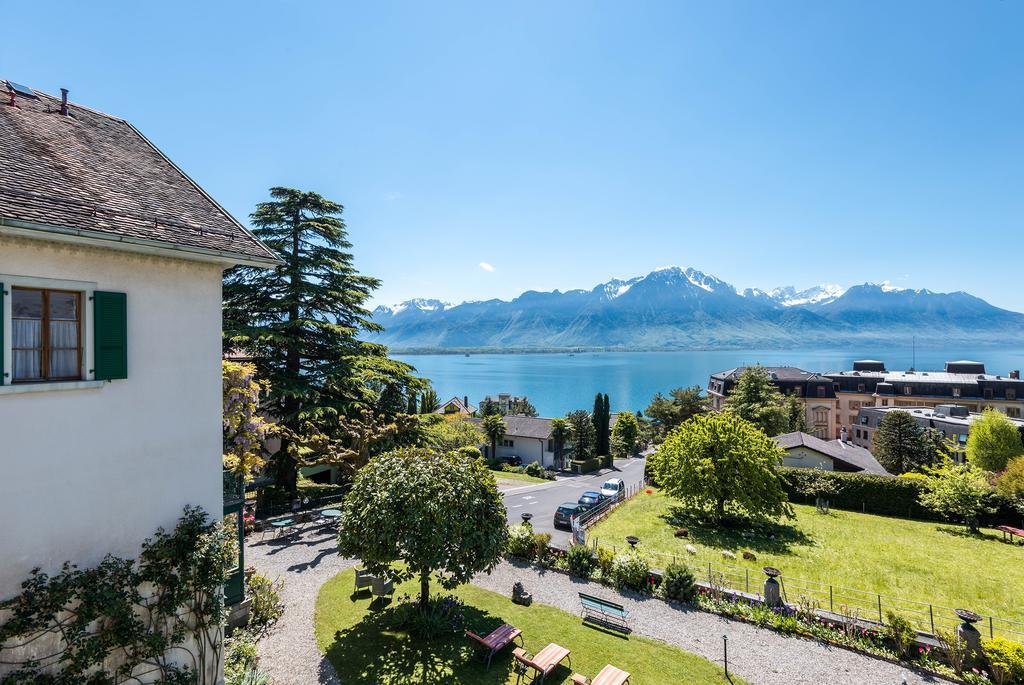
pixel 756 399
pixel 561 433
pixel 900 445
pixel 300 322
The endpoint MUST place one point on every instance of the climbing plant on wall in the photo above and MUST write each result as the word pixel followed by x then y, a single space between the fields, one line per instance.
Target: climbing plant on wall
pixel 157 619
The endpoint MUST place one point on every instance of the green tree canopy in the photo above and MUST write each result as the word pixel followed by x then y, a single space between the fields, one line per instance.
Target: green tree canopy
pixel 992 441
pixel 438 513
pixel 561 433
pixel 449 434
pixel 681 405
pixel 494 428
pixel 902 446
pixel 301 322
pixel 582 434
pixel 626 435
pixel 429 401
pixel 523 406
pixel 958 492
pixel 756 399
pixel 1010 483
pixel 722 465
pixel 796 414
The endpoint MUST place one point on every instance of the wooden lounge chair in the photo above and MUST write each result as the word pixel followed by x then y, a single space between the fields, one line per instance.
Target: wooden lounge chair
pixel 609 675
pixel 496 640
pixel 544 661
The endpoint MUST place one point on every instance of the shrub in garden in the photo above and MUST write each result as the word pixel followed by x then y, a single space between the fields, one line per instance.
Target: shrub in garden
pixel 442 615
pixel 899 631
pixel 630 570
pixel 605 557
pixel 534 469
pixel 520 542
pixel 581 561
pixel 678 583
pixel 548 475
pixel 541 543
pixel 1005 660
pixel 241 665
pixel 266 605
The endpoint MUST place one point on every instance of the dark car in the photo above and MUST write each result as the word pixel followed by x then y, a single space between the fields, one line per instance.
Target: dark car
pixel 565 512
pixel 589 499
pixel 513 460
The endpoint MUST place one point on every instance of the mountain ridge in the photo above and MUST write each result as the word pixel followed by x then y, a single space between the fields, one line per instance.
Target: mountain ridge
pixel 684 308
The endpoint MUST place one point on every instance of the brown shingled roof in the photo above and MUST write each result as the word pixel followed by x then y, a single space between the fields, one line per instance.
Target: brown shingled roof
pixel 97 175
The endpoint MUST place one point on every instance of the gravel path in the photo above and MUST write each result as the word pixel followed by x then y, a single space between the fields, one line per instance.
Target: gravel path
pixel 290 655
pixel 761 656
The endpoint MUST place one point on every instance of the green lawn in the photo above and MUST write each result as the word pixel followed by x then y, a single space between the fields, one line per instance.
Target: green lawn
pixel 365 648
pixel 512 475
pixel 929 562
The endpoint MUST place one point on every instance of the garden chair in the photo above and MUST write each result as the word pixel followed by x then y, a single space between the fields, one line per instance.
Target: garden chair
pixel 544 661
pixel 496 640
pixel 364 579
pixel 609 675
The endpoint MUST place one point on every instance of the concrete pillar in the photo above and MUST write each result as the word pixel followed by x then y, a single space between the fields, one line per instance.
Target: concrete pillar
pixel 772 594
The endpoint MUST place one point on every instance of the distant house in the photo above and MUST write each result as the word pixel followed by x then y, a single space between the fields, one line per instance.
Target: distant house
pixel 526 437
pixel 505 402
pixel 814 391
pixel 952 420
pixel 456 405
pixel 111 262
pixel 808 451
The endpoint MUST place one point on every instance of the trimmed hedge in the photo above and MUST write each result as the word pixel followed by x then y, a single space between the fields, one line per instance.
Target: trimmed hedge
pixel 586 465
pixel 885 495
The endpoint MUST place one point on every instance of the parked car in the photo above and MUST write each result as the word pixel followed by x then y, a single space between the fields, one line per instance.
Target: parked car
pixel 613 488
pixel 589 499
pixel 513 460
pixel 565 512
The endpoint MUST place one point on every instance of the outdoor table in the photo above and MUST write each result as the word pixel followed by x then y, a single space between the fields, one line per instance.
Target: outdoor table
pixel 331 513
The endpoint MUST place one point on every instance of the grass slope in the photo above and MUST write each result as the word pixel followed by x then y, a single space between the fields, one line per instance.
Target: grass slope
pixel 513 476
pixel 366 648
pixel 915 560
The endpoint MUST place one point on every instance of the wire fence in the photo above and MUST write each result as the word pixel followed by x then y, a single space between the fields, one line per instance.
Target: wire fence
pixel 848 603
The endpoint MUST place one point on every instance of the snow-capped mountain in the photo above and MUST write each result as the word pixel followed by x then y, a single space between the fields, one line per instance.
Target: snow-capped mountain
pixel 680 307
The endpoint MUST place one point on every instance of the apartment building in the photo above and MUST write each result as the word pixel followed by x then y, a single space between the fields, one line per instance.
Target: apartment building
pixel 952 420
pixel 870 384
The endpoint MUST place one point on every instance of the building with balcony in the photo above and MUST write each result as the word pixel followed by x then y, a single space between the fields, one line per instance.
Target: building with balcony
pixel 952 420
pixel 870 384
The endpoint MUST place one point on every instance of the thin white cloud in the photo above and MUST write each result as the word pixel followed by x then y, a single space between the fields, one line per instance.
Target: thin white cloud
pixel 392 196
pixel 486 267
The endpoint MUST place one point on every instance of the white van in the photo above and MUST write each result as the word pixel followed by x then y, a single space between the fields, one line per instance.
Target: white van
pixel 613 488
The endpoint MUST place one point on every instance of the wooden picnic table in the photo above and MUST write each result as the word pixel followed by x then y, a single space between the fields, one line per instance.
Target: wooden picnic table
pixel 1011 531
pixel 609 675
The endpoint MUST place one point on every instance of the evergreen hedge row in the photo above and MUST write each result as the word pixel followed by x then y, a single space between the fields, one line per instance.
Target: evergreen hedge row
pixel 586 465
pixel 885 495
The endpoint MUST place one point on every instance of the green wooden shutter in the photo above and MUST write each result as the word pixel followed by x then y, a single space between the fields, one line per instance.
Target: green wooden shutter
pixel 3 371
pixel 110 335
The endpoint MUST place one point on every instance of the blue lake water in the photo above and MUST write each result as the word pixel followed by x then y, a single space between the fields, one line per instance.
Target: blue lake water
pixel 559 383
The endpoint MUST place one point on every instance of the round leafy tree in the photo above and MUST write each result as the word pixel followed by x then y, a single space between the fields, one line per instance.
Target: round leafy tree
pixel 721 464
pixel 992 441
pixel 437 512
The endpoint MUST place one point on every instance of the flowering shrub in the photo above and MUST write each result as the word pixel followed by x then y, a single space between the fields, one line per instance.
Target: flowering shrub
pixel 520 542
pixel 630 570
pixel 244 428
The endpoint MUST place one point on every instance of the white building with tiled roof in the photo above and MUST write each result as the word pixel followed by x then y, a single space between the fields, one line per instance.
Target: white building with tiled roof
pixel 111 261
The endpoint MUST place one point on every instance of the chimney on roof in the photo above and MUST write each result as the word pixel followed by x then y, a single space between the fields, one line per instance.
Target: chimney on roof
pixel 64 102
pixel 1015 374
pixel 465 401
pixel 844 435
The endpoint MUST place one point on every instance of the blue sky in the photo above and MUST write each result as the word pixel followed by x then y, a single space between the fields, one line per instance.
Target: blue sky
pixel 565 143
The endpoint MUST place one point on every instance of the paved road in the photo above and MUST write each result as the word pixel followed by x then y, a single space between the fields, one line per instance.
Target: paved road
pixel 542 499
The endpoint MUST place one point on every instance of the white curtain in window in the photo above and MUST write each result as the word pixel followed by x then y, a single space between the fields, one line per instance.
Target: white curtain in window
pixel 63 349
pixel 27 333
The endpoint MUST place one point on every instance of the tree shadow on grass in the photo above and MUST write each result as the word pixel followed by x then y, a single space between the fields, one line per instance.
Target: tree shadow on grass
pixel 376 650
pixel 963 532
pixel 767 538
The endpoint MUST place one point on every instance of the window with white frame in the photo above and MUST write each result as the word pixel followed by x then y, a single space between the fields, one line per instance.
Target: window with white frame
pixel 46 335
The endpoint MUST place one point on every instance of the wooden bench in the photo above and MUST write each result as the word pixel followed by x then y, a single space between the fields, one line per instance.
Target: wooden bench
pixel 496 640
pixel 604 612
pixel 545 661
pixel 1011 531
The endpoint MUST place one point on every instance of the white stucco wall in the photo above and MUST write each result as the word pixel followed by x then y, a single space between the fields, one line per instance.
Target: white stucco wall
pixel 527 449
pixel 804 458
pixel 91 472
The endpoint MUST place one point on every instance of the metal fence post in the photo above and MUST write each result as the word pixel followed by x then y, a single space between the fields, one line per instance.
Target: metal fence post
pixel 725 654
pixel 880 621
pixel 990 630
pixel 747 572
pixel 709 573
pixel 931 617
pixel 830 598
